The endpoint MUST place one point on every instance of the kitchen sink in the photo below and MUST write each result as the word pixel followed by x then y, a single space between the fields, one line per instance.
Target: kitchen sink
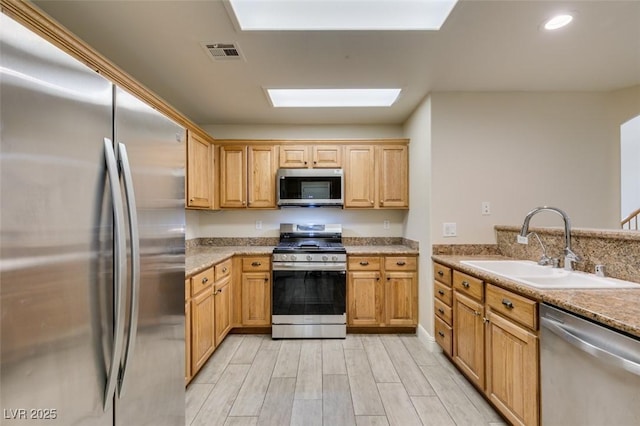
pixel 545 277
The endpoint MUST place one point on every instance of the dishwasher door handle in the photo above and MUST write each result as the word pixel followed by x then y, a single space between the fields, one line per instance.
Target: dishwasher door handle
pixel 591 348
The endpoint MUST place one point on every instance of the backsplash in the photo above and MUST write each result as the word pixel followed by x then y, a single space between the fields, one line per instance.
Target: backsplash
pixel 618 251
pixel 273 241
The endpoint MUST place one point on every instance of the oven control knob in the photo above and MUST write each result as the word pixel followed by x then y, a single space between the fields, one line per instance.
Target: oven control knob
pixel 325 258
pixel 309 257
pixel 334 258
pixel 293 257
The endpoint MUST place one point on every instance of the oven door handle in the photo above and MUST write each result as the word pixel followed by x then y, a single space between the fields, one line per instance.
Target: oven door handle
pixel 307 267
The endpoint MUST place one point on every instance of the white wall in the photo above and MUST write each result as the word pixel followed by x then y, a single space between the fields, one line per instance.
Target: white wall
pixel 417 225
pixel 241 223
pixel 518 151
pixel 630 167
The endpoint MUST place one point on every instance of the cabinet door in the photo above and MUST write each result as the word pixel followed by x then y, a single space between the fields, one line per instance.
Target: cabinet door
pixel 199 172
pixel 256 298
pixel 262 167
pixel 294 156
pixel 401 298
pixel 512 370
pixel 359 178
pixel 327 156
pixel 233 176
pixel 468 337
pixel 393 176
pixel 222 303
pixel 202 332
pixel 364 298
pixel 187 334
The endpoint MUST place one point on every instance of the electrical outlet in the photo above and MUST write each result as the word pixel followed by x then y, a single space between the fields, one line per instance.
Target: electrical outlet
pixel 258 224
pixel 486 208
pixel 385 224
pixel 449 230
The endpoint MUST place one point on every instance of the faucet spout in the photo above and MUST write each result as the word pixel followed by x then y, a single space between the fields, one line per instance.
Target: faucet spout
pixel 569 255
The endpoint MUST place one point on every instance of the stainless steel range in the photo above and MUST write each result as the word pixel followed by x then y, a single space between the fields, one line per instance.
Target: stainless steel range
pixel 309 282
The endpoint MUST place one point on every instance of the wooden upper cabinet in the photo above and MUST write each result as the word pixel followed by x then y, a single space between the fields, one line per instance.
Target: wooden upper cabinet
pixel 377 176
pixel 392 166
pixel 307 156
pixel 359 176
pixel 248 176
pixel 262 167
pixel 199 172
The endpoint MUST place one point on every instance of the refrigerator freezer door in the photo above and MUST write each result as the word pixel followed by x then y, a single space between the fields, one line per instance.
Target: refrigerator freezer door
pixel 152 390
pixel 55 235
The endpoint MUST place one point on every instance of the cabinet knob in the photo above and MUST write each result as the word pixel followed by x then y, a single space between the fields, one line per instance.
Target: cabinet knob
pixel 441 311
pixel 371 201
pixel 388 278
pixel 507 303
pixel 315 162
pixel 256 263
pixel 441 292
pixel 441 273
pixel 224 270
pixel 378 278
pixel 382 203
pixel 305 163
pixel 465 284
pixel 441 334
pixel 485 320
pixel 364 263
pixel 266 279
pixel 244 202
pixel 205 280
pixel 401 263
pixel 476 313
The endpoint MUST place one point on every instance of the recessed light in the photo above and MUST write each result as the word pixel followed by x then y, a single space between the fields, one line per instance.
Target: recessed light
pixel 558 21
pixel 323 98
pixel 323 15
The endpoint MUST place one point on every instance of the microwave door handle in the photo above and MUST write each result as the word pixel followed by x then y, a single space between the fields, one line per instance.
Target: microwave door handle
pixel 134 238
pixel 119 272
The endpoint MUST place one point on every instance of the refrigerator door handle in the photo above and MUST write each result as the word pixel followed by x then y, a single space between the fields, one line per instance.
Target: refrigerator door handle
pixel 119 271
pixel 134 238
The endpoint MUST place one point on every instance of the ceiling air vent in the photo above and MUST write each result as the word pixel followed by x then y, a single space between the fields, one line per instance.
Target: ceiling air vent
pixel 223 51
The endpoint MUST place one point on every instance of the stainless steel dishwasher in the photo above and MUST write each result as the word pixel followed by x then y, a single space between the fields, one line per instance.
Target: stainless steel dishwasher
pixel 590 374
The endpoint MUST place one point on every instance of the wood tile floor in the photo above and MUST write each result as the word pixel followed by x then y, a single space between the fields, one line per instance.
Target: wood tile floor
pixel 361 380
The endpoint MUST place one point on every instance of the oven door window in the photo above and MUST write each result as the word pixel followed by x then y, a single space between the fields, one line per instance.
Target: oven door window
pixel 309 292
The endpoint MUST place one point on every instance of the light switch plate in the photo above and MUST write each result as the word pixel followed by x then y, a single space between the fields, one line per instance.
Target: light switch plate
pixel 449 229
pixel 258 224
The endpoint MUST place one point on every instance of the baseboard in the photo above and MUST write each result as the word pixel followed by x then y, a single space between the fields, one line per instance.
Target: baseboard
pixel 428 340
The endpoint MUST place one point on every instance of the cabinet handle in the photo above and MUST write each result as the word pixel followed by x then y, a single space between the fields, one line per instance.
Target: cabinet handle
pixel 388 278
pixel 256 263
pixel 371 201
pixel 315 162
pixel 224 270
pixel 305 163
pixel 441 292
pixel 266 279
pixel 485 320
pixel 244 202
pixel 476 313
pixel 401 263
pixel 441 273
pixel 191 200
pixel 507 303
pixel 205 280
pixel 441 311
pixel 217 292
pixel 364 263
pixel 441 334
pixel 465 284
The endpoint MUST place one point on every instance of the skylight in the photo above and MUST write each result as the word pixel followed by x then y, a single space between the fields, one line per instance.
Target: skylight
pixel 333 97
pixel 327 15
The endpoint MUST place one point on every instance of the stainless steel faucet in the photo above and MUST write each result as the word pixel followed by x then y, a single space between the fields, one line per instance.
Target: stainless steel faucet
pixel 569 255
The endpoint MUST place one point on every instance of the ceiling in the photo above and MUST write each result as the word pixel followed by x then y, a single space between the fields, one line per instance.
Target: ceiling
pixel 483 46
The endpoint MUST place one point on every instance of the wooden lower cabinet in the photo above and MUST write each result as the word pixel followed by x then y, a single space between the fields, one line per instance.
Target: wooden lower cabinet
pixel 256 291
pixel 494 341
pixel 364 298
pixel 512 370
pixel 382 291
pixel 222 309
pixel 202 332
pixel 468 337
pixel 187 331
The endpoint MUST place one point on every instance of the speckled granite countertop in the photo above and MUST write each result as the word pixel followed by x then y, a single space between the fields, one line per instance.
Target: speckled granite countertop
pixel 617 308
pixel 202 257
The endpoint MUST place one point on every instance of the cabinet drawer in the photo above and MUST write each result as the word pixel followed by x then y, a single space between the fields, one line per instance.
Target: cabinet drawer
pixel 468 285
pixel 442 274
pixel 223 269
pixel 201 281
pixel 400 263
pixel 443 335
pixel 443 311
pixel 442 292
pixel 257 263
pixel 513 306
pixel 364 263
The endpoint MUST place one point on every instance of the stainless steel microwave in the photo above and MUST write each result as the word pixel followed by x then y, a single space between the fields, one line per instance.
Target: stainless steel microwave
pixel 310 188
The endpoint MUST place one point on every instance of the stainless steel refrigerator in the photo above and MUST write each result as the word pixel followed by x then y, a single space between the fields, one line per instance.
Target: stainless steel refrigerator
pixel 91 246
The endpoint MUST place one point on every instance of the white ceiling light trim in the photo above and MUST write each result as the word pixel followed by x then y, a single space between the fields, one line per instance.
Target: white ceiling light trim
pixel 324 98
pixel 558 21
pixel 327 15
